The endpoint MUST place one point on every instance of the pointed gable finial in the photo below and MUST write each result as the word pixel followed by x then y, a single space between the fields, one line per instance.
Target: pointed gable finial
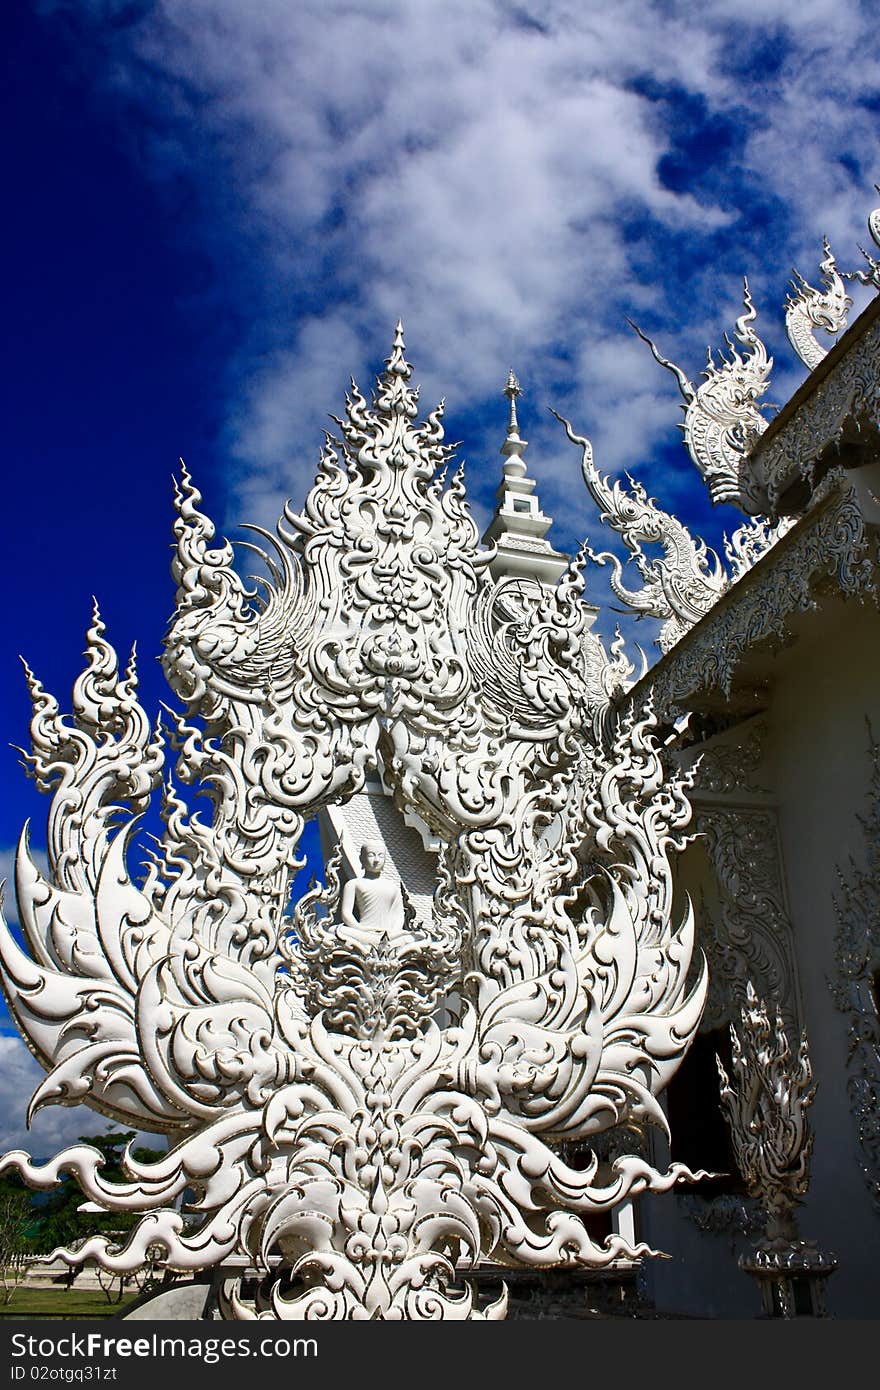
pixel 871 276
pixel 397 362
pixel 514 446
pixel 511 391
pixel 393 393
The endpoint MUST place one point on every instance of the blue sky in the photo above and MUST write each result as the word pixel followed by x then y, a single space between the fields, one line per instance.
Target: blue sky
pixel 217 211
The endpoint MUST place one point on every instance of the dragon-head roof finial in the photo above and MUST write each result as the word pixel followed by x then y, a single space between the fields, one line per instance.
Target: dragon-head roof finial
pixel 871 276
pixel 722 415
pixel 807 309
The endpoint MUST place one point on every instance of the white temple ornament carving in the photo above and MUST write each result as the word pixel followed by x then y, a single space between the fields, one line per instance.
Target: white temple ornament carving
pixel 374 1114
pixel 842 405
pixel 807 309
pixel 723 415
pixel 750 542
pixel 681 585
pixel 728 768
pixel 518 529
pixel 751 939
pixel 870 276
pixel 684 582
pixel 751 462
pixel 747 932
pixel 765 1104
pixel 831 540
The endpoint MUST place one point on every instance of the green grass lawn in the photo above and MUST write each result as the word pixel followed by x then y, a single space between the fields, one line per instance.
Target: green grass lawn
pixel 63 1303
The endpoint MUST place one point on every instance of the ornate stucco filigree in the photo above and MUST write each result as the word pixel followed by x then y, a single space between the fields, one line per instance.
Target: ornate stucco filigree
pixel 750 543
pixel 725 1214
pixel 752 937
pixel 766 1105
pixel 848 396
pixel 855 987
pixel 746 930
pixel 374 1101
pixel 722 415
pixel 727 768
pixel 807 309
pixel 831 540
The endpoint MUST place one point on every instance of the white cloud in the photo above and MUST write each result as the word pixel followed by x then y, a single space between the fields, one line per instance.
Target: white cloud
pixel 54 1126
pixel 492 174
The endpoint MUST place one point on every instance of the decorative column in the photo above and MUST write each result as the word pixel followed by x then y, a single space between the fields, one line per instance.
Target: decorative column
pixel 772 1144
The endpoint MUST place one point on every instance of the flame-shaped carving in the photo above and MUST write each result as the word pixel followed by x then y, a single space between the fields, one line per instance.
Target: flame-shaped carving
pixel 686 579
pixel 680 585
pixel 751 541
pixel 766 1110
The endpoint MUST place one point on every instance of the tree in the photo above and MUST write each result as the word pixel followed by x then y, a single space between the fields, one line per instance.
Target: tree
pixel 58 1219
pixel 15 1240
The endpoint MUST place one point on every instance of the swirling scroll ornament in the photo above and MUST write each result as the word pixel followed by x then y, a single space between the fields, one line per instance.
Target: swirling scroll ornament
pixel 363 1122
pixel 766 1105
pixel 750 542
pixel 832 539
pixel 682 583
pixel 753 934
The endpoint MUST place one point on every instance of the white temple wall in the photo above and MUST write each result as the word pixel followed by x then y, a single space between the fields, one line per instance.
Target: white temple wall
pixel 701 1278
pixel 829 681
pixel 816 767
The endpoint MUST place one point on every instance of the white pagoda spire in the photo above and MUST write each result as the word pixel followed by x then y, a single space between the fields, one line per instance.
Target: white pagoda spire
pixel 519 527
